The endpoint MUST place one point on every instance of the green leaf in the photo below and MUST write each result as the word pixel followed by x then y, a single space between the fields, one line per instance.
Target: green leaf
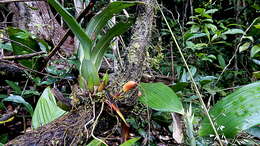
pixel 23 43
pixel 211 11
pixel 160 97
pixel 221 61
pixel 235 113
pixel 255 50
pixel 74 26
pixel 89 73
pixel 96 142
pixel 97 23
pixel 130 142
pixel 234 31
pixel 19 99
pixel 244 47
pixel 14 86
pixel 103 44
pixel 46 109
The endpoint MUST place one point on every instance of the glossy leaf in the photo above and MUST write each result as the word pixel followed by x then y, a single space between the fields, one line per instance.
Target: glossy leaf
pixel 46 109
pixel 19 99
pixel 74 26
pixel 234 31
pixel 103 44
pixel 160 97
pixel 89 73
pixel 97 23
pixel 130 142
pixel 236 112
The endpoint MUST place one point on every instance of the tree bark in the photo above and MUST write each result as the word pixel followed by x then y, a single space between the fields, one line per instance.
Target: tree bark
pixel 71 128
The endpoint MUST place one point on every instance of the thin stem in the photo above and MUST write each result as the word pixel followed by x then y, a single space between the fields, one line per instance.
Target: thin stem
pixel 190 74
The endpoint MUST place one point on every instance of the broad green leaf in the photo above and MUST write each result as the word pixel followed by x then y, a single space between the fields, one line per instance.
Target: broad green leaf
pixel 19 99
pixel 74 26
pixel 235 113
pixel 254 50
pixel 130 142
pixel 97 23
pixel 96 142
pixel 103 44
pixel 89 73
pixel 46 109
pixel 244 47
pixel 22 43
pixel 256 74
pixel 14 86
pixel 160 97
pixel 234 31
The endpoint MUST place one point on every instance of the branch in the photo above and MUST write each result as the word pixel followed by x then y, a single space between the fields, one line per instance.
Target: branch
pixel 10 1
pixel 25 56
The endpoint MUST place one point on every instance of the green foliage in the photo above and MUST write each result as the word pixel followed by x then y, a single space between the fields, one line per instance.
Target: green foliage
pixel 130 142
pixel 236 112
pixel 92 49
pixel 46 109
pixel 160 97
pixel 20 100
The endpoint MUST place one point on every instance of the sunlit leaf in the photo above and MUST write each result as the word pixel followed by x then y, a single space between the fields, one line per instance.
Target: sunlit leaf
pixel 160 97
pixel 46 109
pixel 235 113
pixel 19 99
pixel 244 47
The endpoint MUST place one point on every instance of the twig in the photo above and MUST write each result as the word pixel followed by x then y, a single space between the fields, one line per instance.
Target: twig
pixel 25 56
pixel 190 74
pixel 10 1
pixel 26 68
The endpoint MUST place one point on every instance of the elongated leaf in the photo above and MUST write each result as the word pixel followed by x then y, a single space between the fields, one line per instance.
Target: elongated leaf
pixel 14 86
pixel 74 26
pixel 103 44
pixel 46 109
pixel 160 97
pixel 99 21
pixel 19 99
pixel 236 112
pixel 89 73
pixel 234 31
pixel 130 142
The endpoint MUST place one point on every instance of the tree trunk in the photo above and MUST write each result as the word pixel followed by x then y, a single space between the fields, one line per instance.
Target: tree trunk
pixel 74 128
